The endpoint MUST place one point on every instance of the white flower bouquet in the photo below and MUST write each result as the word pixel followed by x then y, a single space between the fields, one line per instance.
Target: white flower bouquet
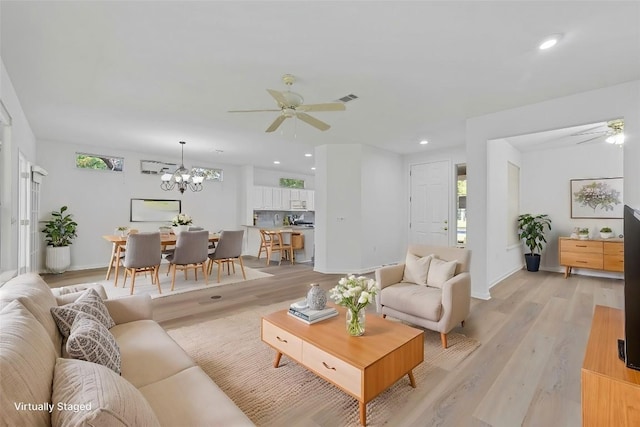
pixel 354 293
pixel 182 219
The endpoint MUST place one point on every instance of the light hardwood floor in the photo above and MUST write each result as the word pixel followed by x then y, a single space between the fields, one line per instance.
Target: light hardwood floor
pixel 533 334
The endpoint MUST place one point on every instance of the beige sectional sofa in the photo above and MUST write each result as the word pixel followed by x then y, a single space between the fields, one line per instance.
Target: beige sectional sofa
pixel 159 383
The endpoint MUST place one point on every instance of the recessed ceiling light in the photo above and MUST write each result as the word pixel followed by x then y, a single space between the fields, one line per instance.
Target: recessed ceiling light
pixel 308 155
pixel 313 168
pixel 276 162
pixel 550 41
pixel 424 142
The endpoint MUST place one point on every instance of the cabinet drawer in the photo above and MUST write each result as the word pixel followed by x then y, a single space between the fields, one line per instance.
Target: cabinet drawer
pixel 281 340
pixel 586 260
pixel 333 369
pixel 581 246
pixel 613 248
pixel 614 262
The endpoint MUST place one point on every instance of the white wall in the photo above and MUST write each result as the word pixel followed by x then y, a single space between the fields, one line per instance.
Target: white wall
pixel 358 197
pixel 503 259
pixel 19 138
pixel 588 107
pixel 546 176
pixel 100 201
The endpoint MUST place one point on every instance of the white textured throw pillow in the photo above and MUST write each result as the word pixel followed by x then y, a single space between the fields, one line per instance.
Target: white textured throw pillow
pixel 88 394
pixel 89 340
pixel 416 269
pixel 440 271
pixel 90 303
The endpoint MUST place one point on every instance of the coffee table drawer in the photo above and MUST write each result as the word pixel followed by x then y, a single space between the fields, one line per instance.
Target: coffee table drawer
pixel 332 369
pixel 281 340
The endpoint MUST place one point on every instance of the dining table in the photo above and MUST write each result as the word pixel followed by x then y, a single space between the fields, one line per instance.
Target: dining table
pixel 119 242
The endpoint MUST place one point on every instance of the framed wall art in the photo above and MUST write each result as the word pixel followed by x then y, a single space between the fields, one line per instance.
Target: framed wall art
pixel 596 198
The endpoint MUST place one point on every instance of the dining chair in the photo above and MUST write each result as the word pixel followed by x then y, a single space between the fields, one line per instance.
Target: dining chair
pixel 228 250
pixel 143 255
pixel 263 242
pixel 212 245
pixel 276 243
pixel 191 252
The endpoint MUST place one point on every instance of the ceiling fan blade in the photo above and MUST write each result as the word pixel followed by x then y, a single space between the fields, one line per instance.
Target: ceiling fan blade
pixel 589 140
pixel 279 97
pixel 276 123
pixel 249 111
pixel 313 121
pixel 603 129
pixel 330 106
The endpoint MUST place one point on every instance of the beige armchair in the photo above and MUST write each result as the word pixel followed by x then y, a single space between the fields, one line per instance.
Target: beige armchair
pixel 419 291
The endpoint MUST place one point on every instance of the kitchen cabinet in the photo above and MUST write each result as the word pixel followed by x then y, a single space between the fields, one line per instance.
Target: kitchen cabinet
pixel 279 199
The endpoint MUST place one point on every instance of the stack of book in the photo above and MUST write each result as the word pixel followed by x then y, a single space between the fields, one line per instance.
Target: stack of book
pixel 303 313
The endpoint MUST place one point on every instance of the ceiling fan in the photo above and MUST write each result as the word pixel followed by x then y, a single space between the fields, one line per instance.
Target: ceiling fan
pixel 614 132
pixel 291 104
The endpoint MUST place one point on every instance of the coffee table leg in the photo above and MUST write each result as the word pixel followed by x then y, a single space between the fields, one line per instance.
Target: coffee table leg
pixel 363 413
pixel 412 380
pixel 277 361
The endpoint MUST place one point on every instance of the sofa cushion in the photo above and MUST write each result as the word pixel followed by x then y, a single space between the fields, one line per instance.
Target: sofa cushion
pixel 35 295
pixel 148 353
pixel 214 408
pixel 89 340
pixel 88 394
pixel 416 269
pixel 27 360
pixel 90 303
pixel 420 301
pixel 69 294
pixel 440 271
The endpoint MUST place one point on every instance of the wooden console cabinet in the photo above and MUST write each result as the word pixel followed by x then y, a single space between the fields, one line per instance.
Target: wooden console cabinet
pixel 610 390
pixel 597 254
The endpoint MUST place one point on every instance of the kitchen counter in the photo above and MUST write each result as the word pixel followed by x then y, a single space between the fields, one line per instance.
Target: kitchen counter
pixel 252 240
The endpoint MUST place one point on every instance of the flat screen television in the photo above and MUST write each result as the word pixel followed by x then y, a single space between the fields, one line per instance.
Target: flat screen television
pixel 630 348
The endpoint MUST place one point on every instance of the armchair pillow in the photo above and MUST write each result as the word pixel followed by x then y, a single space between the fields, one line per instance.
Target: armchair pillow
pixel 440 271
pixel 416 269
pixel 90 303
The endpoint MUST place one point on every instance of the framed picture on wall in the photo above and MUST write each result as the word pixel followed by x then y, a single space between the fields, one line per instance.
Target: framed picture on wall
pixel 596 198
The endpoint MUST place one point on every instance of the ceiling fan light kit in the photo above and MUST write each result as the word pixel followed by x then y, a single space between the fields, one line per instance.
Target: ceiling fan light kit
pixel 614 133
pixel 182 178
pixel 291 105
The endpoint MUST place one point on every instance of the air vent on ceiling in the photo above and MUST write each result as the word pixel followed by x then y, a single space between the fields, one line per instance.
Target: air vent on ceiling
pixel 348 98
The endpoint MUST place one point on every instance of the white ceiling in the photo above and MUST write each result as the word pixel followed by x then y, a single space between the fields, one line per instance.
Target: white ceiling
pixel 144 75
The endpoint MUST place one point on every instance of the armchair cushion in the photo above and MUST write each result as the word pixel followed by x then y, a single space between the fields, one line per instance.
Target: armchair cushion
pixel 416 269
pixel 420 301
pixel 440 271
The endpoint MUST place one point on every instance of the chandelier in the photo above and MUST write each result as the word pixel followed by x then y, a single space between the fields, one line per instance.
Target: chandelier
pixel 182 178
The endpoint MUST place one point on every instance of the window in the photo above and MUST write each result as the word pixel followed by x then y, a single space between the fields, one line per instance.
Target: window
pixel 291 183
pixel 99 162
pixel 208 173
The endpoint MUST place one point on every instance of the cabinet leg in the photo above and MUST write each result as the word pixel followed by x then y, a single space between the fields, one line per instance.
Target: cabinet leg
pixel 363 413
pixel 412 379
pixel 276 362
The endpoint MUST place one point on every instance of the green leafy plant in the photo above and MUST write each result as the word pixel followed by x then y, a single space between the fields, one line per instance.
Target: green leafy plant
pixel 531 230
pixel 583 231
pixel 605 230
pixel 61 229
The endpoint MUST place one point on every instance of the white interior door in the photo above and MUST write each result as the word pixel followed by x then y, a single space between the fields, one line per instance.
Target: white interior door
pixel 429 210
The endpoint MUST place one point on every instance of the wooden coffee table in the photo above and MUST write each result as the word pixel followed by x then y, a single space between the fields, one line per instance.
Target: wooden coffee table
pixel 362 367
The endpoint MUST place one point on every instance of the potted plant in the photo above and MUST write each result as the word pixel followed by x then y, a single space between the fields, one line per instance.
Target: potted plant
pixel 181 222
pixel 531 230
pixel 606 233
pixel 122 230
pixel 59 232
pixel 583 234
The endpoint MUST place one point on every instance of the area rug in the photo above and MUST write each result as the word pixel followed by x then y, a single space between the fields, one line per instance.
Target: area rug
pixel 144 286
pixel 230 351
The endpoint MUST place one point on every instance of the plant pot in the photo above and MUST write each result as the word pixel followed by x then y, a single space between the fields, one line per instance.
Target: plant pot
pixel 583 236
pixel 606 234
pixel 177 229
pixel 58 259
pixel 533 261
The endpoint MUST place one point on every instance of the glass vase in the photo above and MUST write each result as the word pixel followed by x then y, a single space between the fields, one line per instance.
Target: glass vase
pixel 355 322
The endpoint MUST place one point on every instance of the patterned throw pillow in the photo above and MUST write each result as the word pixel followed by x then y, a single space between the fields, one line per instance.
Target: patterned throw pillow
pixel 101 397
pixel 89 340
pixel 90 303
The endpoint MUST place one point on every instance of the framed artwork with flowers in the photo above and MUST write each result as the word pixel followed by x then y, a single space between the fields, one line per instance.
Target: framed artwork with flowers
pixel 596 198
